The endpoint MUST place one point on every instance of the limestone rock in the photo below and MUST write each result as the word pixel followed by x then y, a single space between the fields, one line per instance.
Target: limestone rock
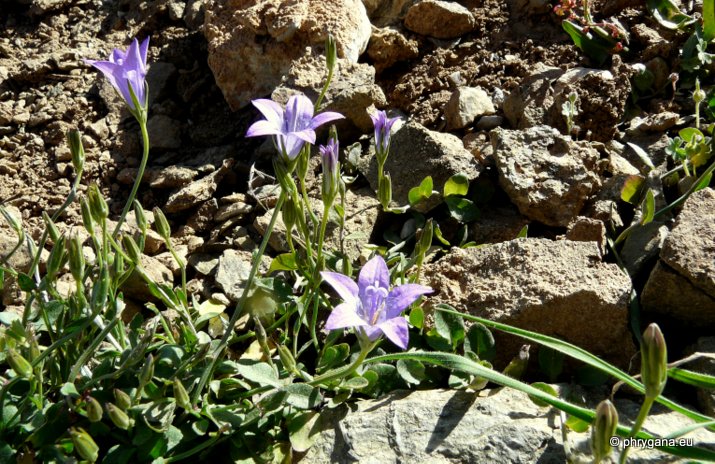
pixel 548 176
pixel 198 191
pixel 135 286
pixel 387 12
pixel 558 288
pixel 706 397
pixel 417 152
pixel 643 246
pixel 164 132
pixel 465 105
pixel 389 46
pixel 252 44
pixel 683 283
pixel 438 19
pixel 352 92
pixel 233 269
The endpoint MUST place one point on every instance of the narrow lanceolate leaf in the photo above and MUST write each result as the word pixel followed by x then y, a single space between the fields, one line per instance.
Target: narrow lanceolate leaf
pixel 692 378
pixel 581 355
pixel 462 364
pixel 648 207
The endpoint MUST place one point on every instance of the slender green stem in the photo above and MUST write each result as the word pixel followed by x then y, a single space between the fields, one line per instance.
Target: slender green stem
pixel 642 414
pixel 319 265
pixel 344 371
pixel 140 174
pixel 90 350
pixel 238 310
pixel 325 89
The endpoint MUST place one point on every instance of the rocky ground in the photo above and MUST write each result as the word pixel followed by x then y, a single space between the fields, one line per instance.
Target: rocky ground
pixel 480 83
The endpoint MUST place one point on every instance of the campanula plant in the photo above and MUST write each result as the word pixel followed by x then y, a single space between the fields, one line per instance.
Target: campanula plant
pixel 383 126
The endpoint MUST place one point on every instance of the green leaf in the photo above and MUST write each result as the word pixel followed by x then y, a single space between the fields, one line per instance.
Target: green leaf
pixel 523 232
pixel 648 207
pixel 411 371
pixel 173 437
pixel 480 340
pixel 25 282
pixel 355 383
pixel 631 189
pixel 458 184
pixel 692 378
pixel 283 262
pixel 577 425
pixel 258 372
pixel 668 15
pixel 642 155
pixel 691 135
pixel 461 209
pixel 119 454
pixel 546 388
pixel 704 182
pixel 421 192
pixel 417 317
pixel 595 47
pixel 160 414
pixel 438 234
pixel 449 327
pixel 69 389
pixel 302 431
pixel 303 396
pixel 551 362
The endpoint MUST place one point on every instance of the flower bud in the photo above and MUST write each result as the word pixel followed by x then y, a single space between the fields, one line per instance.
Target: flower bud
pixel 87 216
pixel 122 398
pixel 51 227
pixel 85 445
pixel 132 249
pixel 290 215
pixel 331 170
pixel 140 216
pixel 118 417
pixel 76 257
pixel 384 191
pixel 180 395
pixel 94 410
pixel 425 241
pixel 286 358
pixel 74 138
pixel 147 372
pixel 12 220
pixel 100 289
pixel 331 52
pixel 302 163
pixel 603 428
pixel 654 361
pixel 161 224
pixel 57 257
pixel 18 363
pixel 97 204
pixel 698 94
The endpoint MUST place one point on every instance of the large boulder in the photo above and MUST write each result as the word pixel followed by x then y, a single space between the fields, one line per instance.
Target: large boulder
pixel 558 288
pixel 547 176
pixel 682 285
pixel 438 19
pixel 252 44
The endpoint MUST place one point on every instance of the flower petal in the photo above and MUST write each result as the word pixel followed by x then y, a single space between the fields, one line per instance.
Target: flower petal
pixel 324 117
pixel 298 114
pixel 262 127
pixel 290 144
pixel 396 331
pixel 343 316
pixel 402 296
pixel 372 332
pixel 133 59
pixel 143 49
pixel 271 110
pixel 307 135
pixel 346 288
pixel 375 273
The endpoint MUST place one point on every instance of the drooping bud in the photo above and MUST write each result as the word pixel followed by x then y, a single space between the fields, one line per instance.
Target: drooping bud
pixel 118 417
pixel 122 399
pixel 74 138
pixel 84 444
pixel 147 371
pixel 57 257
pixel 76 257
pixel 654 361
pixel 603 429
pixel 19 364
pixel 97 204
pixel 87 219
pixel 517 365
pixel 161 224
pixel 132 249
pixel 94 410
pixel 51 227
pixel 384 192
pixel 286 358
pixel 140 216
pixel 181 396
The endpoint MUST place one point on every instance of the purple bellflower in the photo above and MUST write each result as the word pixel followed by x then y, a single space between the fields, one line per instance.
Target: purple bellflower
pixel 291 128
pixel 125 70
pixel 383 125
pixel 370 305
pixel 329 155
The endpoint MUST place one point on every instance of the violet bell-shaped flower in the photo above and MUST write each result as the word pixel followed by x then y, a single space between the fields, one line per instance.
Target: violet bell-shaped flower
pixel 370 305
pixel 126 72
pixel 383 125
pixel 292 127
pixel 329 155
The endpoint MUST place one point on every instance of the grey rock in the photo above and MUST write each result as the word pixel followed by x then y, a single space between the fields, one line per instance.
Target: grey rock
pixel 465 105
pixel 548 176
pixel 176 9
pixel 643 246
pixel 489 122
pixel 387 12
pixel 389 46
pixel 197 191
pixel 417 152
pixel 352 92
pixel 556 288
pixel 585 229
pixel 234 267
pixel 159 76
pixel 682 285
pixel 438 19
pixel 204 263
pixel 136 288
pixel 173 177
pixel 164 132
pixel 232 210
pixel 706 397
pixel 252 45
pixel 497 225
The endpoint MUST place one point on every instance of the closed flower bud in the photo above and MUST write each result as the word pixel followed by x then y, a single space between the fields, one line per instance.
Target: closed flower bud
pixel 331 170
pixel 97 204
pixel 76 257
pixel 87 219
pixel 384 193
pixel 118 417
pixel 94 410
pixel 57 257
pixel 74 138
pixel 84 444
pixel 286 358
pixel 302 164
pixel 161 224
pixel 147 372
pixel 698 94
pixel 51 227
pixel 18 363
pixel 12 220
pixel 331 52
pixel 101 288
pixel 132 249
pixel 122 399
pixel 180 395
pixel 603 428
pixel 290 216
pixel 140 216
pixel 654 361
pixel 425 241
